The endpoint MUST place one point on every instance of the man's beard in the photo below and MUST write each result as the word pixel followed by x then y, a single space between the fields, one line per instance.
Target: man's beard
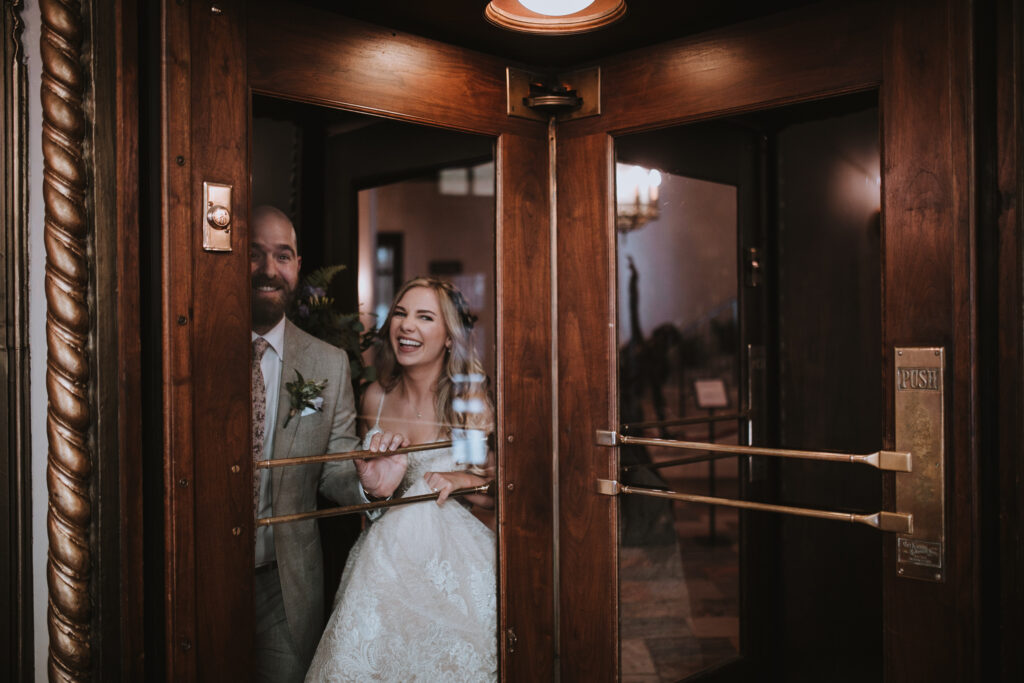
pixel 267 312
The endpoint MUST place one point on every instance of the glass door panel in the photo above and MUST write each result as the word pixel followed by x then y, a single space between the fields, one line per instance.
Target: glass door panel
pixel 678 363
pixel 749 284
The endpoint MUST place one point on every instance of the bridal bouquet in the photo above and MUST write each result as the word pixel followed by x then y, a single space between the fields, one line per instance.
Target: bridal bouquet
pixel 318 314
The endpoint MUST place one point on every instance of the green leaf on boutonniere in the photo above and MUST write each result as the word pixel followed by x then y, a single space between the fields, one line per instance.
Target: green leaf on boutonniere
pixel 304 394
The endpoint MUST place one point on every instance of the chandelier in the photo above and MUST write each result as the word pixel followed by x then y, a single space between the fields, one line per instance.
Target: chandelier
pixel 636 196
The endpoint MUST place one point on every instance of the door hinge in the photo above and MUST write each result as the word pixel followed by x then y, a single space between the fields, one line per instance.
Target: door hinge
pixel 510 641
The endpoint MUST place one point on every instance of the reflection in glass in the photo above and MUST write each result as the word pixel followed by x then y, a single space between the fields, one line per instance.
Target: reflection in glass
pixel 751 295
pixel 375 196
pixel 679 591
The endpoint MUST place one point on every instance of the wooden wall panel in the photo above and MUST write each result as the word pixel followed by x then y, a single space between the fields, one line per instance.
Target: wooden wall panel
pixel 524 393
pixel 1009 368
pixel 205 339
pixel 221 351
pixel 320 57
pixel 822 50
pixel 588 534
pixel 129 377
pixel 932 628
pixel 177 287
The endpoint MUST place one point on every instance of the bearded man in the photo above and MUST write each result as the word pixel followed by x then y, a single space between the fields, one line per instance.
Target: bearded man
pixel 288 586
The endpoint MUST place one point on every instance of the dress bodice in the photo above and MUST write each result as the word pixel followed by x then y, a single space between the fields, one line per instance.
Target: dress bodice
pixel 420 462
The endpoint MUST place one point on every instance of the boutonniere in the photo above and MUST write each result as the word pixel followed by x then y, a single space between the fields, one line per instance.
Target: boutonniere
pixel 305 395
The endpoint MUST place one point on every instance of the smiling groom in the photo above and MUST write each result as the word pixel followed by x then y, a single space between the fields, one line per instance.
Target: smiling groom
pixel 288 588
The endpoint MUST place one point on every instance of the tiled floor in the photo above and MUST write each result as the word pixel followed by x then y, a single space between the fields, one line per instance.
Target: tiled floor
pixel 679 593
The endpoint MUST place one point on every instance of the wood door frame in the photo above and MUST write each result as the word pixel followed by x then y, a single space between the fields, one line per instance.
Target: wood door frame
pixel 294 54
pixel 15 431
pixel 918 55
pixel 1002 285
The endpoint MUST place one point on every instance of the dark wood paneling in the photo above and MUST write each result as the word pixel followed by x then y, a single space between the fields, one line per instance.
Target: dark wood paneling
pixel 822 50
pixel 316 56
pixel 15 432
pixel 588 534
pixel 220 351
pixel 177 287
pixel 1009 368
pixel 931 629
pixel 126 22
pixel 524 404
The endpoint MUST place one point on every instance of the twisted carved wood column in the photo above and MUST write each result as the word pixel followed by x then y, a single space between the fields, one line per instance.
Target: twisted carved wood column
pixel 68 322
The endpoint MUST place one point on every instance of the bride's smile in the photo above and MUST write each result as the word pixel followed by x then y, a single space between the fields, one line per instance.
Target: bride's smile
pixel 418 333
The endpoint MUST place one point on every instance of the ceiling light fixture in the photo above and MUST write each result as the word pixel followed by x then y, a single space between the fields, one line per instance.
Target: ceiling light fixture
pixel 556 8
pixel 554 17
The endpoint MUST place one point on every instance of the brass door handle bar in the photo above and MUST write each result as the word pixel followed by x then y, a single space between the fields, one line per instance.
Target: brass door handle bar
pixel 899 522
pixel 892 461
pixel 376 505
pixel 351 455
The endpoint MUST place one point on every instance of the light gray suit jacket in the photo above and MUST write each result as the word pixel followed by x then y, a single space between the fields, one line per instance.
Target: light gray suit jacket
pixel 294 488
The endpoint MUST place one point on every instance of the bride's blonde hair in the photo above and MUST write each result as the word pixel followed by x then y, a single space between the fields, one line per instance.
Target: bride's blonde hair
pixel 461 360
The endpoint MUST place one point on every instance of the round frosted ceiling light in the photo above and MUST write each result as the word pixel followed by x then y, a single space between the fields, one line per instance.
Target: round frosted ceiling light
pixel 556 8
pixel 554 17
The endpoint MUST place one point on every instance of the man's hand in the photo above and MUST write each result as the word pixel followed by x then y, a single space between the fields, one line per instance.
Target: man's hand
pixel 381 476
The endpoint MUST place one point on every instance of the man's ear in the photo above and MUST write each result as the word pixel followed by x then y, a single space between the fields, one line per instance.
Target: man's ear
pixel 298 263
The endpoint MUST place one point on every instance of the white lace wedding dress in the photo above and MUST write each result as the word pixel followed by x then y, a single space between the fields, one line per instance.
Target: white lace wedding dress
pixel 417 600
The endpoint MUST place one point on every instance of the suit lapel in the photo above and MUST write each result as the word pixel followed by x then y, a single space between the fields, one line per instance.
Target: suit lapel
pixel 294 356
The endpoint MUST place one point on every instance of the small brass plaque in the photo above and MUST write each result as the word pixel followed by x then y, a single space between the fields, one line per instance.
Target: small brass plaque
pixel 920 553
pixel 920 429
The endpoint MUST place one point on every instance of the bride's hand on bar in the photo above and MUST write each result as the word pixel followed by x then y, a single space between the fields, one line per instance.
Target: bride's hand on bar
pixel 443 483
pixel 381 476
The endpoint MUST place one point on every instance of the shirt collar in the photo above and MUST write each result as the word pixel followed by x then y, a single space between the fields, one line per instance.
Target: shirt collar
pixel 274 337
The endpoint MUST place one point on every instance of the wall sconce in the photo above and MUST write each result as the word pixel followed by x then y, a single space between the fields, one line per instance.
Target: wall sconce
pixel 636 196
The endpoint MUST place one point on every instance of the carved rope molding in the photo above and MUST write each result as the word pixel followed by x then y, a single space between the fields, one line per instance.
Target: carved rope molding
pixel 69 461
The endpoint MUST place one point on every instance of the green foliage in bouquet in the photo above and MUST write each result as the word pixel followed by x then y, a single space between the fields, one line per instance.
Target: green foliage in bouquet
pixel 318 314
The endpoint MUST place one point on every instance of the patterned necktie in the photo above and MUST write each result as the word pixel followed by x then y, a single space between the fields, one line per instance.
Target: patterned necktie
pixel 259 414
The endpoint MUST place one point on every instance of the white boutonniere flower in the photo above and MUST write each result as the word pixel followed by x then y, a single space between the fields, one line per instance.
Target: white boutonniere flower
pixel 305 396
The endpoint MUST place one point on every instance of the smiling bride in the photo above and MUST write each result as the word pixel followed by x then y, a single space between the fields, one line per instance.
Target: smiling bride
pixel 417 599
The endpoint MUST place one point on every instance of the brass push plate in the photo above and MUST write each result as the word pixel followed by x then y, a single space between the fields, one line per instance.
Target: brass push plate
pixel 216 217
pixel 920 429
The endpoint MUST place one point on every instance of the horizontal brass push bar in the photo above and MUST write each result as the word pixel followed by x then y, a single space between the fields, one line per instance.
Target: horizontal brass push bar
pixel 682 421
pixel 885 521
pixel 351 455
pixel 892 461
pixel 376 505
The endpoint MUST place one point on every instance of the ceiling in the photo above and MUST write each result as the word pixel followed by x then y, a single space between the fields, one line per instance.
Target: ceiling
pixel 461 22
